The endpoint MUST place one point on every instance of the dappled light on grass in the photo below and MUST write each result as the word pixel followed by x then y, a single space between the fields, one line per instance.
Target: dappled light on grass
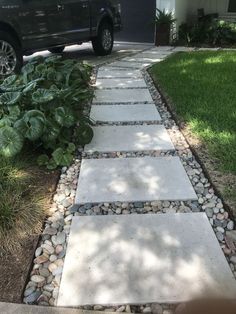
pixel 220 59
pixel 201 86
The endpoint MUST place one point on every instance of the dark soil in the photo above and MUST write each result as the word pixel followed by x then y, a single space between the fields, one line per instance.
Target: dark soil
pixel 15 267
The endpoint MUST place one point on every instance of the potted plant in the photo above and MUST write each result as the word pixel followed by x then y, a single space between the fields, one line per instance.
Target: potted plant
pixel 163 21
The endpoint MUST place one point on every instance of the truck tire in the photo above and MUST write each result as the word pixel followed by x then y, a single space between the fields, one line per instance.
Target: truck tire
pixel 103 43
pixel 57 49
pixel 11 58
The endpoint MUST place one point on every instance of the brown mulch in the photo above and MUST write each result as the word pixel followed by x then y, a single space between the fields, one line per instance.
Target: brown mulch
pixel 15 267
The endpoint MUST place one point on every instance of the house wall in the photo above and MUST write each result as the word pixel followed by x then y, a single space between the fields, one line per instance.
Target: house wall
pixel 168 5
pixel 210 6
pixel 181 8
pixel 178 7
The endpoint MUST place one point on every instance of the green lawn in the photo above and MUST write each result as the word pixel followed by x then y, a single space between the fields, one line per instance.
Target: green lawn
pixel 202 87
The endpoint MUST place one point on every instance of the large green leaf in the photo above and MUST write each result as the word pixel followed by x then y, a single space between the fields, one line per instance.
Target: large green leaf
pixel 43 96
pixel 61 157
pixel 31 125
pixel 71 148
pixel 14 111
pixel 31 85
pixel 9 81
pixel 6 121
pixel 11 142
pixel 37 114
pixel 12 83
pixel 51 131
pixel 65 117
pixel 10 98
pixel 28 71
pixel 41 68
pixel 83 134
pixel 53 59
pixel 43 160
pixel 51 165
pixel 28 68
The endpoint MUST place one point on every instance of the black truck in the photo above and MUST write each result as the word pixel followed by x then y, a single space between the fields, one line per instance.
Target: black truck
pixel 27 26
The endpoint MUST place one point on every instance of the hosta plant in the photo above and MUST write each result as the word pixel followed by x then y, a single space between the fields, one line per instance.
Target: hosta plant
pixel 43 106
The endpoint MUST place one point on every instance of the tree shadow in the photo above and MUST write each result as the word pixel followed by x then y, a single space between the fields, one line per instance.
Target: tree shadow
pixel 133 259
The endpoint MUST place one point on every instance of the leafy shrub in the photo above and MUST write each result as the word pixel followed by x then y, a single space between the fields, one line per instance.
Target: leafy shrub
pixel 164 17
pixel 221 32
pixel 211 32
pixel 44 106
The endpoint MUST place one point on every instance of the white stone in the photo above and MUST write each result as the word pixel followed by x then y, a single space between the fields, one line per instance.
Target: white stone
pixel 120 83
pixel 161 48
pixel 133 179
pixel 127 64
pixel 154 54
pixel 129 138
pixel 183 49
pixel 145 59
pixel 122 96
pixel 208 49
pixel 143 259
pixel 109 72
pixel 125 113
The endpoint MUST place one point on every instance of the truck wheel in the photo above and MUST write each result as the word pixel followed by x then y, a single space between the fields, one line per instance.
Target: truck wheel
pixel 11 58
pixel 57 49
pixel 103 43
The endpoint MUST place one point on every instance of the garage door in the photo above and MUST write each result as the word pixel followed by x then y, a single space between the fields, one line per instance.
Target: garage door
pixel 137 19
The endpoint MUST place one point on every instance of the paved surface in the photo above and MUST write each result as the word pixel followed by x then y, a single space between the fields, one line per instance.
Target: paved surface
pixel 133 180
pixel 120 83
pixel 129 138
pixel 129 65
pixel 109 72
pixel 123 96
pixel 85 52
pixel 13 308
pixel 139 259
pixel 125 113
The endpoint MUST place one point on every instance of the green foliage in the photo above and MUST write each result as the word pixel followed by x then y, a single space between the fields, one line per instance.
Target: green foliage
pixel 201 86
pixel 43 106
pixel 11 142
pixel 163 17
pixel 210 32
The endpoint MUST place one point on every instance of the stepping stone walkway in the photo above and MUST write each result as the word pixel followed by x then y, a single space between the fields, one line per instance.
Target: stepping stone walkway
pixel 137 259
pixel 121 83
pixel 123 96
pixel 125 113
pixel 128 65
pixel 109 72
pixel 133 180
pixel 129 138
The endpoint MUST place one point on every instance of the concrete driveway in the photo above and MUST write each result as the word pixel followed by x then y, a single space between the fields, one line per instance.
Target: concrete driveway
pixel 85 52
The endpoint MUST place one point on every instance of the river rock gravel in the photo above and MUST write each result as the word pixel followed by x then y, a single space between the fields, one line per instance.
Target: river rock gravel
pixel 43 286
